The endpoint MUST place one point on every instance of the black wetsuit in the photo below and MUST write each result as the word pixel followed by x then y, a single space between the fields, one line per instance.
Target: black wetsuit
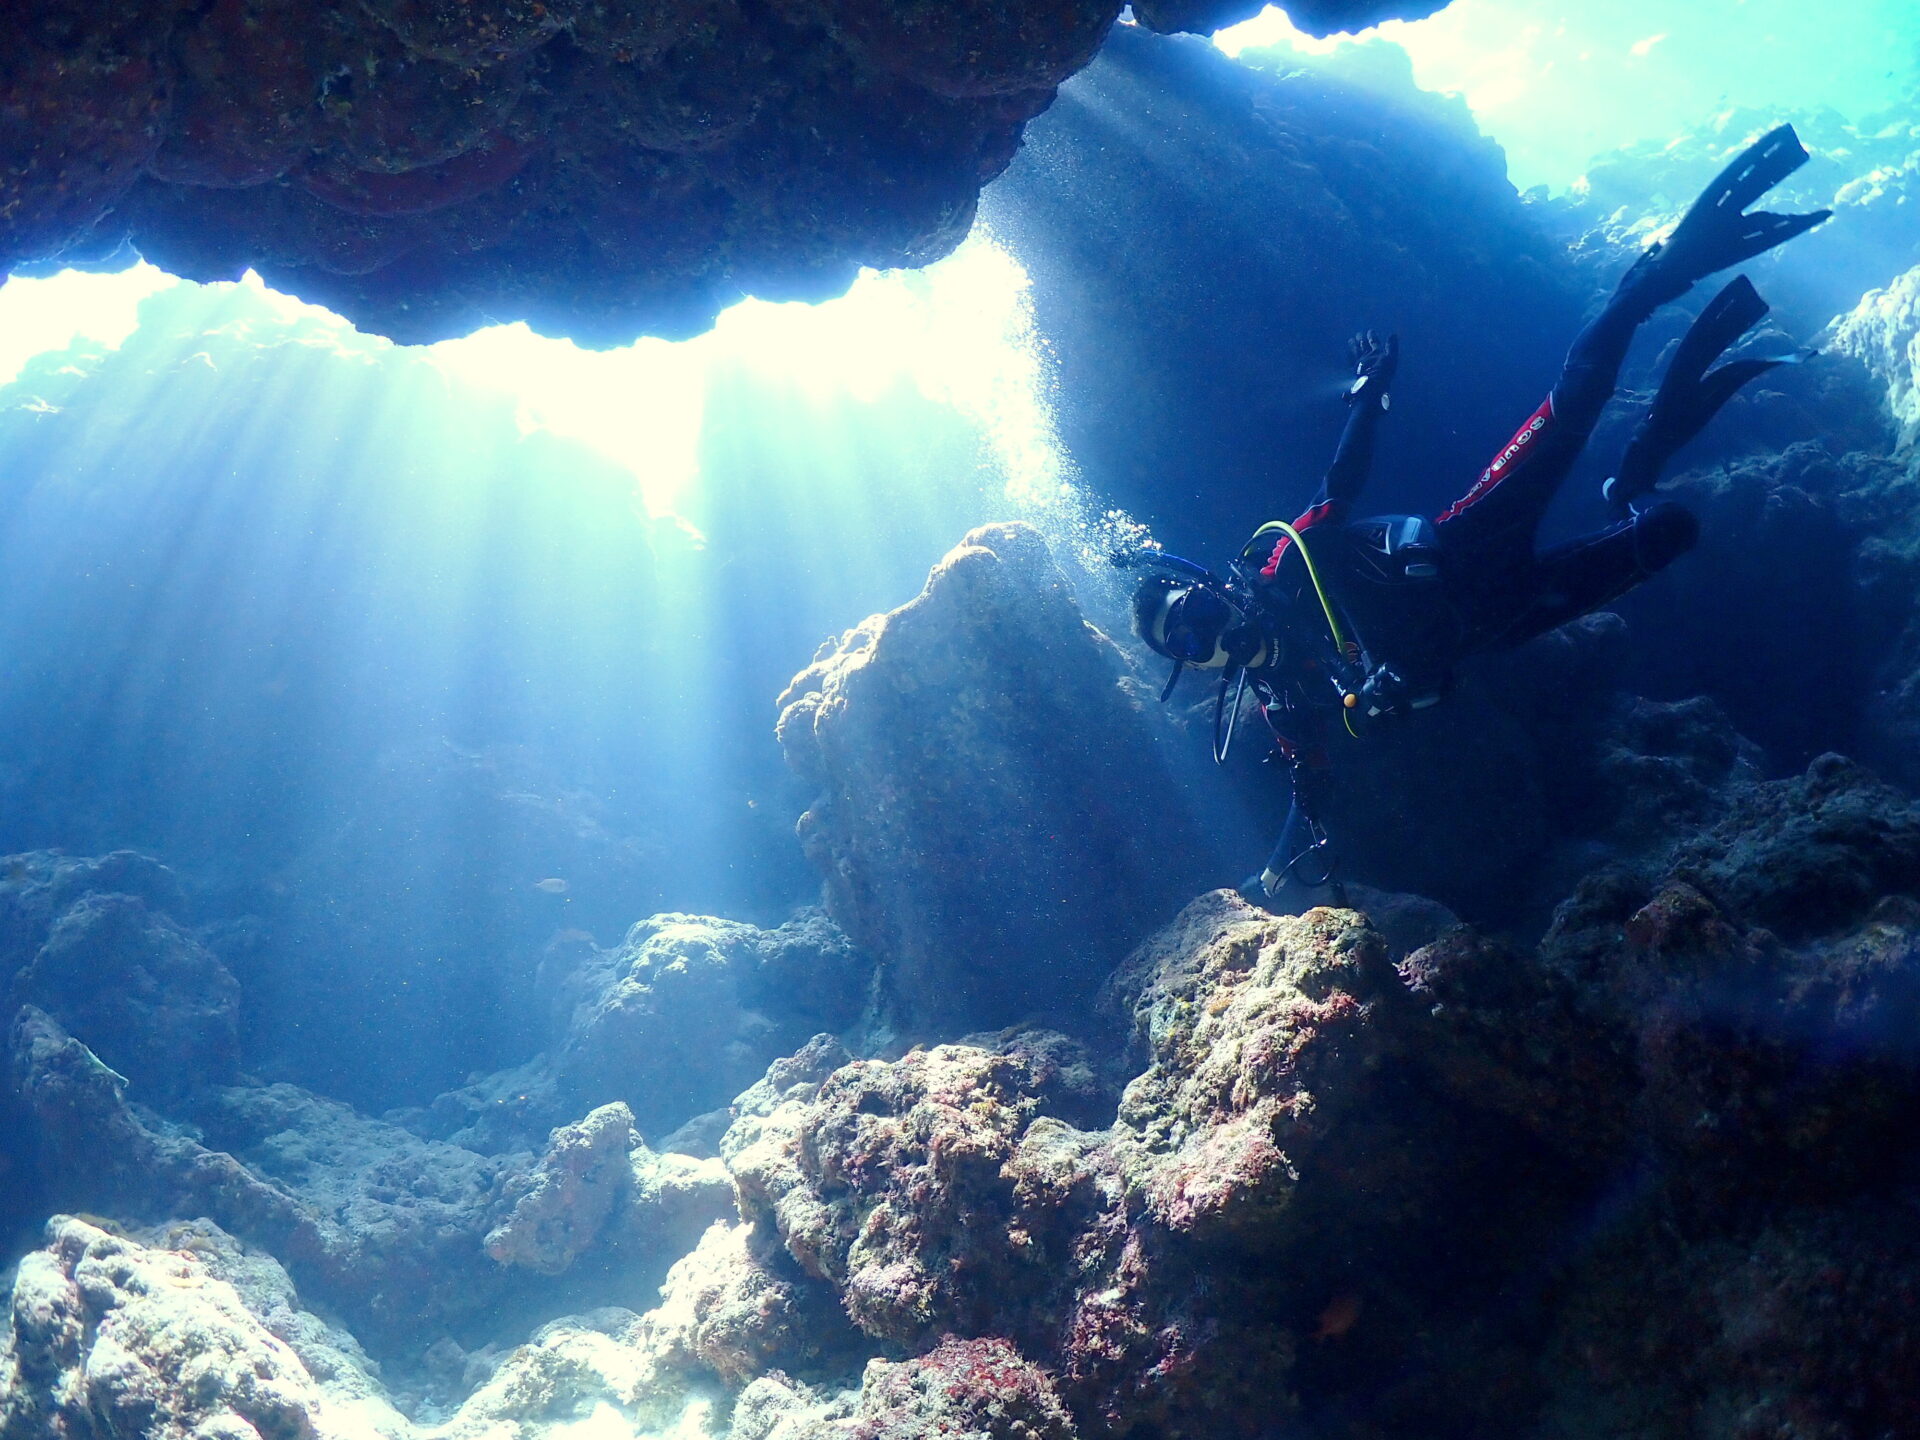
pixel 1495 591
pixel 1489 587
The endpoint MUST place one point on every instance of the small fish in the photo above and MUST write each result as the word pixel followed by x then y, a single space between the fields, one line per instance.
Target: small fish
pixel 1340 1316
pixel 553 886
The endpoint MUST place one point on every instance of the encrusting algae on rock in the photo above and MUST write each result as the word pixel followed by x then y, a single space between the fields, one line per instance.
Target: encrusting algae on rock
pixel 1287 1177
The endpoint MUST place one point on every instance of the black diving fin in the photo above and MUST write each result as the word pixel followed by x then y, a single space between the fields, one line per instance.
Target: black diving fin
pixel 1690 394
pixel 1717 232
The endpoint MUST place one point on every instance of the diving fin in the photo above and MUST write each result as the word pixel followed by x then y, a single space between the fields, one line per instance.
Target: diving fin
pixel 1690 394
pixel 1717 232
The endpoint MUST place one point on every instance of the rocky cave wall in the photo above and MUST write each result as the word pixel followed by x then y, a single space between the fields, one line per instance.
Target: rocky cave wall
pixel 425 167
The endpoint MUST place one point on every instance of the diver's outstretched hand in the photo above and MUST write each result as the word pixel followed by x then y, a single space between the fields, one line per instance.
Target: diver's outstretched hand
pixel 1718 231
pixel 1374 361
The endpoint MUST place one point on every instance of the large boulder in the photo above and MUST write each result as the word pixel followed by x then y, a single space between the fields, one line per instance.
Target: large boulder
pixel 147 996
pixel 672 1023
pixel 992 784
pixel 168 1335
pixel 689 1010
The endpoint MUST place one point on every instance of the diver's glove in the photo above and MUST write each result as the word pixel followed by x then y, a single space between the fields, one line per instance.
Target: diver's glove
pixel 1388 695
pixel 1374 361
pixel 1258 889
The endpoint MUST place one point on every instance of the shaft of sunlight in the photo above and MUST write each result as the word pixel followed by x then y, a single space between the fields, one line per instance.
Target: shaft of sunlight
pixel 960 333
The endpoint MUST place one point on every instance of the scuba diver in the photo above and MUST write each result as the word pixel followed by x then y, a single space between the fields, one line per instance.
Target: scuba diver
pixel 1355 622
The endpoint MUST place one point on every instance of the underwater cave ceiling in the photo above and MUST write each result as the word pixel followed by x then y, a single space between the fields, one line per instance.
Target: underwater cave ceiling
pixel 599 169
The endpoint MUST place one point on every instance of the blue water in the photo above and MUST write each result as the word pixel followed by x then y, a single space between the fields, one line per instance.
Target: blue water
pixel 422 674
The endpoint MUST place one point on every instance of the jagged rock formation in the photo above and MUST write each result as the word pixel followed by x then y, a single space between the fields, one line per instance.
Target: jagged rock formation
pixel 1338 1193
pixel 986 767
pixel 1883 333
pixel 671 1024
pixel 424 167
pixel 107 962
pixel 599 1187
pixel 174 1337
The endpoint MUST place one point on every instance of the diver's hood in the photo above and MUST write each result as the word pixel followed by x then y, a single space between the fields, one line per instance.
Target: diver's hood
pixel 1194 625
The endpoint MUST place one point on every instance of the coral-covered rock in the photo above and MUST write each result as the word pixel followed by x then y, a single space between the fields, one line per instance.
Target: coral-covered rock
pixel 1807 854
pixel 564 1203
pixel 1304 1102
pixel 984 764
pixel 425 167
pixel 109 1337
pixel 1262 1031
pixel 1883 332
pixel 146 996
pixel 598 1187
pixel 938 1194
pixel 891 1170
pixel 1754 985
pixel 1803 1327
pixel 688 1011
pixel 976 1389
pixel 737 1313
pixel 966 1389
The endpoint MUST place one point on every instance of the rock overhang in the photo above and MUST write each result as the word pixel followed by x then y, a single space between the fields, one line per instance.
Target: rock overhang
pixel 426 167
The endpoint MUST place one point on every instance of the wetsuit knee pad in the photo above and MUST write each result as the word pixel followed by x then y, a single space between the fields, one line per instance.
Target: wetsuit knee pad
pixel 1662 533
